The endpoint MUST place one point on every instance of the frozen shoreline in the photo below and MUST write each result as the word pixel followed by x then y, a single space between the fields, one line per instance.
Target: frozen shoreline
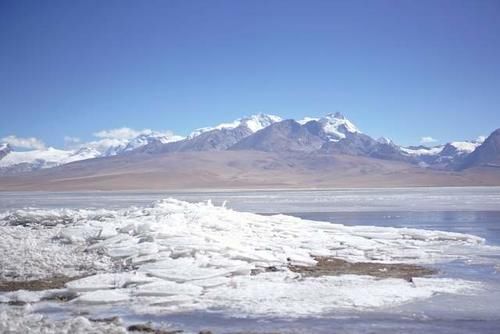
pixel 174 256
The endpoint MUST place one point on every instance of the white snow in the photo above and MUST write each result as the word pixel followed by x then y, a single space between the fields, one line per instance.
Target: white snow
pixel 52 157
pixel 113 146
pixel 4 146
pixel 307 119
pixel 254 123
pixel 22 321
pixel 47 157
pixel 465 147
pixel 462 147
pixel 480 139
pixel 336 126
pixel 145 139
pixel 423 151
pixel 176 256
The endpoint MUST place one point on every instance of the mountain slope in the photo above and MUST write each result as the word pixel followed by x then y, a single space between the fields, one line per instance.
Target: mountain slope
pixel 285 136
pixel 362 145
pixel 214 140
pixel 239 169
pixel 4 150
pixel 487 154
pixel 217 138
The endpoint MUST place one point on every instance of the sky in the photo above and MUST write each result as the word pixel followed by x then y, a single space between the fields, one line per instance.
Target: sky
pixel 409 70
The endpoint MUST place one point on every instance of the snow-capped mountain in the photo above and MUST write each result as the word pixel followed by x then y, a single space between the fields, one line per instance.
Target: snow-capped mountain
pixel 335 134
pixel 453 153
pixel 487 154
pixel 217 138
pixel 108 147
pixel 38 159
pixel 284 136
pixel 447 156
pixel 331 134
pixel 453 148
pixel 306 135
pixel 254 123
pixel 328 135
pixel 127 145
pixel 21 161
pixel 147 139
pixel 335 126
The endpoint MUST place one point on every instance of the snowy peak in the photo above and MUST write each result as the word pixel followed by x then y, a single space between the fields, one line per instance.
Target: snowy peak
pixel 450 149
pixel 260 121
pixel 447 156
pixel 464 147
pixel 338 123
pixel 336 126
pixel 45 158
pixel 85 153
pixel 150 138
pixel 22 161
pixel 416 151
pixel 108 147
pixel 254 123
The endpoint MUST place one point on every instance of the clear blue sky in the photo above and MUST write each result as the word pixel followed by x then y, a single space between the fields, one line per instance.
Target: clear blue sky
pixel 404 69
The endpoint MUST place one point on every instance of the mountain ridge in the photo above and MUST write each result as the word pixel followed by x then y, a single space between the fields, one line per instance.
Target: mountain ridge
pixel 331 134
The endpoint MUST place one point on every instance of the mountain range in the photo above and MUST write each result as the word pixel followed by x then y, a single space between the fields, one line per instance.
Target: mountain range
pixel 260 150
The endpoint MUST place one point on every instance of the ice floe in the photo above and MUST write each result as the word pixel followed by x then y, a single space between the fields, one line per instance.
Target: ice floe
pixel 177 256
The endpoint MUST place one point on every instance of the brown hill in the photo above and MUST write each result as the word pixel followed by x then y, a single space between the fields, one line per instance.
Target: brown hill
pixel 240 169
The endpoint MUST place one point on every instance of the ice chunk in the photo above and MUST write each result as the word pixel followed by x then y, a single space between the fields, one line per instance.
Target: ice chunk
pixel 175 256
pixel 166 288
pixel 108 281
pixel 103 297
pixel 13 320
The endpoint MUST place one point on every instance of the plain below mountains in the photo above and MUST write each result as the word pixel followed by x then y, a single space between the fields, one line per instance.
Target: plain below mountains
pixel 261 151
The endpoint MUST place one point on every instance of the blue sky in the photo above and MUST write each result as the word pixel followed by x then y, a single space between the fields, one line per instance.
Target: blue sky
pixel 404 69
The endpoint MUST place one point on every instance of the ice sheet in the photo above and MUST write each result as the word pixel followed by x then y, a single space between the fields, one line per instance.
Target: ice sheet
pixel 175 256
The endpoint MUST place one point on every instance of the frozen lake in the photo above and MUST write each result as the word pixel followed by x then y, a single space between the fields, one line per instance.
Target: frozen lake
pixel 465 210
pixel 279 201
pixel 473 210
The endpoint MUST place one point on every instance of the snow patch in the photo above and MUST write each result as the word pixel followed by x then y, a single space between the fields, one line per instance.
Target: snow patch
pixel 431 151
pixel 254 123
pixel 465 147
